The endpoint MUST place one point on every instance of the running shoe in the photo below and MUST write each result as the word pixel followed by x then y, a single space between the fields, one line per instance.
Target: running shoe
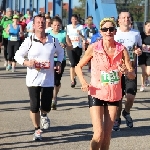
pixel 5 64
pixel 45 122
pixel 129 121
pixel 142 88
pixel 116 126
pixel 147 82
pixel 73 84
pixel 37 135
pixel 13 69
pixel 8 67
pixel 54 104
pixel 75 81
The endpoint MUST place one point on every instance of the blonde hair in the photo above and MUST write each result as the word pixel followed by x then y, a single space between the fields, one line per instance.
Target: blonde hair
pixel 107 20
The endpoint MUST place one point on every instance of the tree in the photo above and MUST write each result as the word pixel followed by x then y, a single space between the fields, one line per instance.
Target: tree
pixel 135 7
pixel 65 14
pixel 80 9
pixel 83 3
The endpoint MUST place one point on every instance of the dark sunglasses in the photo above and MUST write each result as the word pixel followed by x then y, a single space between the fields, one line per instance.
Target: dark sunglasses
pixel 111 29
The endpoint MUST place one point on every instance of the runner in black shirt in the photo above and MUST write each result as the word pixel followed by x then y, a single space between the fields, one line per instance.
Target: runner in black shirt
pixel 144 59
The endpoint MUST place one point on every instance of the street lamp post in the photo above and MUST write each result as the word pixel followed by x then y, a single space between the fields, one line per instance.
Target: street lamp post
pixel 146 10
pixel 126 4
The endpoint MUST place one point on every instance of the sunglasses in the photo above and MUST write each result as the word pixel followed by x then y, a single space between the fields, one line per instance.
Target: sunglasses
pixel 111 29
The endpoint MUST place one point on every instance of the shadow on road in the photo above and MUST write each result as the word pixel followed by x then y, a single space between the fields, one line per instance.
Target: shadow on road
pixel 135 131
pixel 9 103
pixel 14 102
pixel 73 104
pixel 12 75
pixel 74 136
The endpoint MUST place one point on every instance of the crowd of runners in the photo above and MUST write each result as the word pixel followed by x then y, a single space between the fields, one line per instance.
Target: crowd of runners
pixel 112 54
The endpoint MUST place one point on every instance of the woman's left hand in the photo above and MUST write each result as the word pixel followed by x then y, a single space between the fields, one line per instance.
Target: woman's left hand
pixel 122 67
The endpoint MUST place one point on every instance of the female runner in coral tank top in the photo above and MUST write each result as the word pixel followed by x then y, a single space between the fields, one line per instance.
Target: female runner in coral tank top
pixel 109 60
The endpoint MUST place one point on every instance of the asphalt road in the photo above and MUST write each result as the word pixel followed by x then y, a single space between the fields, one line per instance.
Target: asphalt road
pixel 71 127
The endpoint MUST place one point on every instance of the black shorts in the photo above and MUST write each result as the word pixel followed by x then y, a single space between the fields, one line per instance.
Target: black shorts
pixel 74 56
pixel 1 39
pixel 57 76
pixel 40 94
pixel 144 59
pixel 129 86
pixel 12 47
pixel 97 102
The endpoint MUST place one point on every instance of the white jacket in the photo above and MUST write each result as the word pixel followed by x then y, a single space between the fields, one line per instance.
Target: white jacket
pixel 41 53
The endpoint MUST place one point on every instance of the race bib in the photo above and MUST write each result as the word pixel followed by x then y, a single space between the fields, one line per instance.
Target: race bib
pixel 42 65
pixel 75 39
pixel 146 49
pixel 13 38
pixel 111 77
pixel 90 34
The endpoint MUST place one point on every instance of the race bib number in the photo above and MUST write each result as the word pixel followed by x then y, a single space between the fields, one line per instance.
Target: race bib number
pixel 75 39
pixel 146 49
pixel 42 65
pixel 90 34
pixel 13 38
pixel 111 77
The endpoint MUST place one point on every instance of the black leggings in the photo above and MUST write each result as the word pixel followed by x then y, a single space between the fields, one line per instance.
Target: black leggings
pixel 5 43
pixel 12 47
pixel 74 56
pixel 57 76
pixel 43 94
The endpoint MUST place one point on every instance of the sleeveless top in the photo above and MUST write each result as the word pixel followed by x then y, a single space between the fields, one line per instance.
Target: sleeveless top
pixel 89 32
pixel 14 33
pixel 105 76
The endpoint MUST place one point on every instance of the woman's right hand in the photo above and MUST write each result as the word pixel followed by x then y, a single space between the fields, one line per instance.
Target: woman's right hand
pixel 85 86
pixel 131 75
pixel 122 67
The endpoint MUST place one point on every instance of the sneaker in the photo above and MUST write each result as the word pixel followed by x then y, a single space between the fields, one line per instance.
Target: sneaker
pixel 142 88
pixel 147 82
pixel 5 64
pixel 75 81
pixel 54 104
pixel 45 122
pixel 129 121
pixel 13 69
pixel 8 67
pixel 72 84
pixel 116 126
pixel 37 135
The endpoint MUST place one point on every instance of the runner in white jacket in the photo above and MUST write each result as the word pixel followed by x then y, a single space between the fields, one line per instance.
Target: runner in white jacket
pixel 40 49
